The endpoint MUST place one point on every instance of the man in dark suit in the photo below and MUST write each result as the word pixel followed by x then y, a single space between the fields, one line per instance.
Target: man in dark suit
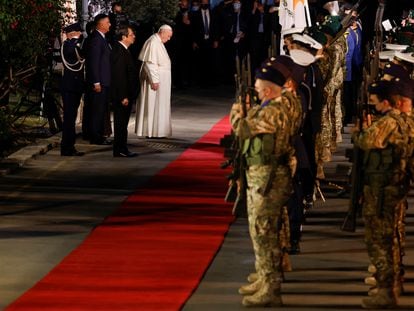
pixel 124 88
pixel 258 34
pixel 98 75
pixel 233 38
pixel 72 87
pixel 204 34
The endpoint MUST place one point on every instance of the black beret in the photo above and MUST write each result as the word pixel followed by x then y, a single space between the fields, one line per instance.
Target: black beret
pixel 403 87
pixel 73 27
pixel 383 88
pixel 272 71
pixel 396 71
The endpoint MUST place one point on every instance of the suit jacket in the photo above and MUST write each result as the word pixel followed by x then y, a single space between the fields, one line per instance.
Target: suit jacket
pixel 254 21
pixel 125 81
pixel 98 60
pixel 197 27
pixel 72 80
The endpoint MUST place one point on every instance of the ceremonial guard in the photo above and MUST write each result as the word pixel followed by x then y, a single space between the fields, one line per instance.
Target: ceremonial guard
pixel 332 110
pixel 387 151
pixel 72 88
pixel 267 134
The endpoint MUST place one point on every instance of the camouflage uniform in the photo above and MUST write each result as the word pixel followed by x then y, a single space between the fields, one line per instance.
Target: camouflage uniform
pixel 400 213
pixel 332 68
pixel 333 88
pixel 267 132
pixel 323 138
pixel 385 187
pixel 294 109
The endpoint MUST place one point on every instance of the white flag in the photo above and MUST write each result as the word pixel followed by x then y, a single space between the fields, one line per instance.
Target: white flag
pixel 294 14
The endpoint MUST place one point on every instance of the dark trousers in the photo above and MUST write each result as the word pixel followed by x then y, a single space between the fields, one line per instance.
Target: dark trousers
pixel 71 102
pixel 121 119
pixel 99 110
pixel 86 115
pixel 349 101
pixel 296 209
pixel 258 50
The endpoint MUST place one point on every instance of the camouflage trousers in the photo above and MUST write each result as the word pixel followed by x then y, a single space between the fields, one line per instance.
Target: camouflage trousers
pixel 399 239
pixel 264 216
pixel 379 212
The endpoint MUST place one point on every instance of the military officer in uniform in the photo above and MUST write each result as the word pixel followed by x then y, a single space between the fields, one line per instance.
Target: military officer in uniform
pixel 387 151
pixel 72 88
pixel 267 134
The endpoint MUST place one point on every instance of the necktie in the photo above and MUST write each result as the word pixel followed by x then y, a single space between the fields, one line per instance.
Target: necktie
pixel 205 22
pixel 261 23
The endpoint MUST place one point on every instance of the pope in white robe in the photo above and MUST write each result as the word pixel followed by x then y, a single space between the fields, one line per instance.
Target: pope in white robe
pixel 153 118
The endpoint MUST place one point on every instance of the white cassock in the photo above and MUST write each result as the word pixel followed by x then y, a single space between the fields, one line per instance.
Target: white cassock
pixel 153 116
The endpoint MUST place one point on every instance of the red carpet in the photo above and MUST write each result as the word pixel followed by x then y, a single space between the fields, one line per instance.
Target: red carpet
pixel 152 253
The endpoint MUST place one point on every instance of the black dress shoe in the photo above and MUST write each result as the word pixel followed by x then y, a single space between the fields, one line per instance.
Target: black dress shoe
pixel 73 153
pixel 127 154
pixel 156 137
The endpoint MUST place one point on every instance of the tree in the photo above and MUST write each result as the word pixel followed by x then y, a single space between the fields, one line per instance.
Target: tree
pixel 153 12
pixel 26 27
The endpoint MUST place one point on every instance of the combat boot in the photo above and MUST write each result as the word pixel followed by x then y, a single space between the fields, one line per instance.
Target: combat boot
pixel 267 296
pixel 253 277
pixel 384 299
pixel 251 288
pixel 372 269
pixel 373 291
pixel 371 281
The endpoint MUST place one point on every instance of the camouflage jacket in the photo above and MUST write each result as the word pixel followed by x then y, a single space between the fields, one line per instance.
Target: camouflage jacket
pixel 293 105
pixel 335 76
pixel 273 118
pixel 390 131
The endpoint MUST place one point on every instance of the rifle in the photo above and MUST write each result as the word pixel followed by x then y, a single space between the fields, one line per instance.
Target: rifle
pixel 347 21
pixel 355 204
pixel 237 186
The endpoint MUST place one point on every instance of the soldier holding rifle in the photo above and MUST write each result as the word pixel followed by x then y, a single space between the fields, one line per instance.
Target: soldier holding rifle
pixel 266 133
pixel 387 147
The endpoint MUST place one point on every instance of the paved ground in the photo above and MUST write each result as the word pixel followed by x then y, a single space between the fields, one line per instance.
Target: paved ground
pixel 50 204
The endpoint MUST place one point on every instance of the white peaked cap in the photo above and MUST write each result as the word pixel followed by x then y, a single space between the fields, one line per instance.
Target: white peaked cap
pixel 313 43
pixel 306 39
pixel 407 57
pixel 386 55
pixel 290 31
pixel 396 47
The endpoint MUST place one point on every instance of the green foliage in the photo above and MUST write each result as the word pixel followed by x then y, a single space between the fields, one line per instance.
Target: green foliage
pixel 154 12
pixel 26 30
pixel 25 27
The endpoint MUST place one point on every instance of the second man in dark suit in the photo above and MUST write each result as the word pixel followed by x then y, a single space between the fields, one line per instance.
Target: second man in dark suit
pixel 98 75
pixel 124 88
